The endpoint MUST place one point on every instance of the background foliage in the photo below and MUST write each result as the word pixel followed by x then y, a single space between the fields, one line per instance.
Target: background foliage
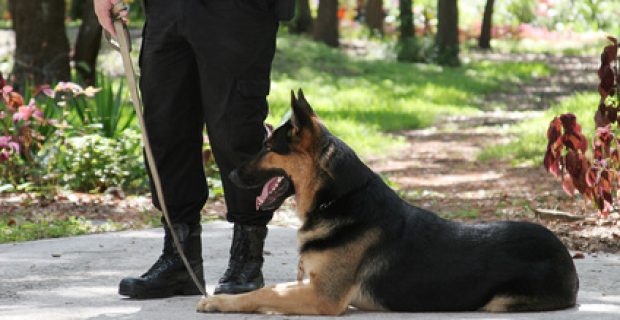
pixel 365 80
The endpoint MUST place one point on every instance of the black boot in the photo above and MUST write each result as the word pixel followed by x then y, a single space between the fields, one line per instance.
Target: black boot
pixel 168 276
pixel 246 261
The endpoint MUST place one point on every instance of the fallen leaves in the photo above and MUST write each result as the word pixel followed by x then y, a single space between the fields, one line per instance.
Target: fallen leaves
pixel 579 255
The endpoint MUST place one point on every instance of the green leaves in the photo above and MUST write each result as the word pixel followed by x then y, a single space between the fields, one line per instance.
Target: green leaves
pixel 93 163
pixel 110 110
pixel 103 106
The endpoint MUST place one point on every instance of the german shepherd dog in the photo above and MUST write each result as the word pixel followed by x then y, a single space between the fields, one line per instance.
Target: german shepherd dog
pixel 361 245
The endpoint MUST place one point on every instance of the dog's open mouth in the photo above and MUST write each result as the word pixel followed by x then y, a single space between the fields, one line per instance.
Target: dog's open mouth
pixel 275 191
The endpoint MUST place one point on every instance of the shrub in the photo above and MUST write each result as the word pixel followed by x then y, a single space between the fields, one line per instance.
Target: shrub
pixel 595 177
pixel 95 163
pixel 102 109
pixel 523 10
pixel 20 138
pixel 39 141
pixel 417 49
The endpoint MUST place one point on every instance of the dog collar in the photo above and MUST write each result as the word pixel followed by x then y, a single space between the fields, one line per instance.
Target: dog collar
pixel 327 204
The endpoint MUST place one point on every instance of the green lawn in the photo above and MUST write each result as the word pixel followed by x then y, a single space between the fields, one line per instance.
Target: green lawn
pixel 362 100
pixel 531 135
pixel 590 46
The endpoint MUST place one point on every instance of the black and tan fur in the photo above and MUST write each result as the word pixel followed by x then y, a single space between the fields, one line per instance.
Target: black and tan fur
pixel 361 245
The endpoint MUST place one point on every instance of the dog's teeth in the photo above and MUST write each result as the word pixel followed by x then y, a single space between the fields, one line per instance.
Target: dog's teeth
pixel 277 184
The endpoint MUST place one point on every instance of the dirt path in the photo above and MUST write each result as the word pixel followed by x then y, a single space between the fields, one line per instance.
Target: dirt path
pixel 439 169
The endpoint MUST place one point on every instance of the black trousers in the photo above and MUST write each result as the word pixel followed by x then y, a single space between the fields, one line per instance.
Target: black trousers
pixel 206 62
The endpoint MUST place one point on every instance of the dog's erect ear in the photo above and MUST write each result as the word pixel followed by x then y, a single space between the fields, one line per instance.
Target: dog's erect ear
pixel 302 112
pixel 303 103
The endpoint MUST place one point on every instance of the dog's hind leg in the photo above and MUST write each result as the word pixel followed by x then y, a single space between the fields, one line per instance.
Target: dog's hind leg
pixel 521 304
pixel 286 298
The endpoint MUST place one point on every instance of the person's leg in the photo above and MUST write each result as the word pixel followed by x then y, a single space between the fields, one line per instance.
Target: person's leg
pixel 234 48
pixel 174 119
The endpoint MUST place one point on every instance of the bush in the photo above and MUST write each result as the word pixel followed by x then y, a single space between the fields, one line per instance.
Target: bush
pixel 417 49
pixel 95 163
pixel 523 10
pixel 63 135
pixel 20 137
pixel 593 175
pixel 102 109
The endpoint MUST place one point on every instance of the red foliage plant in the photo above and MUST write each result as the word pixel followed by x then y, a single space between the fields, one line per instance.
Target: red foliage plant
pixel 597 177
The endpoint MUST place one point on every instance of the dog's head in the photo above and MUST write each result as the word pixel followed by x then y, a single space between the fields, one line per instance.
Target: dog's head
pixel 289 161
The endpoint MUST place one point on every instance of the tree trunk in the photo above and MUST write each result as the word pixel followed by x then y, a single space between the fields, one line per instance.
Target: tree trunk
pixel 406 50
pixel 375 16
pixel 448 33
pixel 42 48
pixel 484 42
pixel 75 9
pixel 326 27
pixel 303 18
pixel 87 44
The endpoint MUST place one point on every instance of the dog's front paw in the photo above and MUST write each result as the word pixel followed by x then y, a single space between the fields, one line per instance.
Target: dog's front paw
pixel 208 304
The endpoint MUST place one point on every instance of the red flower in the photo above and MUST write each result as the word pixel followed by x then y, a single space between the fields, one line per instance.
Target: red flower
pixel 25 112
pixel 7 148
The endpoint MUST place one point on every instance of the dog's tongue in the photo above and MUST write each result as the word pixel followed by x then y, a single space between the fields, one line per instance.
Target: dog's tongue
pixel 271 185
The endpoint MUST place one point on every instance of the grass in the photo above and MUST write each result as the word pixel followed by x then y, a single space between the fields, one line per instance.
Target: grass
pixel 464 214
pixel 361 101
pixel 13 231
pixel 531 136
pixel 590 46
pixel 25 226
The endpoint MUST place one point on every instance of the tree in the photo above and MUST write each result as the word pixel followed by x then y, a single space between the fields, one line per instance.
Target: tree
pixel 447 39
pixel 302 23
pixel 484 42
pixel 42 48
pixel 326 27
pixel 87 44
pixel 75 9
pixel 375 16
pixel 406 41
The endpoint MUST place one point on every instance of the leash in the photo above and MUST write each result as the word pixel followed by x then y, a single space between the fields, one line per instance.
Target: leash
pixel 123 45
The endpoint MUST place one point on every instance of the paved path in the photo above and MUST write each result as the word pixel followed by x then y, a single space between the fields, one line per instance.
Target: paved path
pixel 81 283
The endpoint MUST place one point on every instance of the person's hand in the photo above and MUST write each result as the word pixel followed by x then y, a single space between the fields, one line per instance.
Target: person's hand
pixel 103 10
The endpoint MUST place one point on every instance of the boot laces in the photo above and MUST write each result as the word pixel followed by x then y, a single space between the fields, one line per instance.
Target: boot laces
pixel 163 263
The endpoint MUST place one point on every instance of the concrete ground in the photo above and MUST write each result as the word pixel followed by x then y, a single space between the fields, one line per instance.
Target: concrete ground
pixel 77 278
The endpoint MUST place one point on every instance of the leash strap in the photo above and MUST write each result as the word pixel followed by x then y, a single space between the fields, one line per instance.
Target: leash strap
pixel 123 45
